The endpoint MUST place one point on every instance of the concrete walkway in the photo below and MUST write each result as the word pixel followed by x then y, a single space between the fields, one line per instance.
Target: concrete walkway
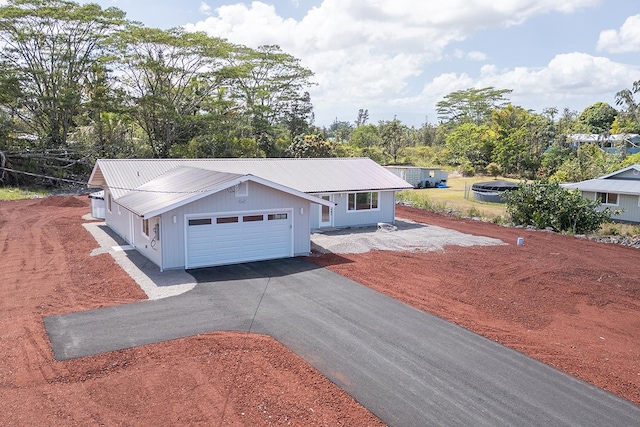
pixel 406 366
pixel 147 275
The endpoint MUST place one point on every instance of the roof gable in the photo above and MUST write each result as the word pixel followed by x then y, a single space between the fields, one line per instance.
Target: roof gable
pixel 184 184
pixel 634 169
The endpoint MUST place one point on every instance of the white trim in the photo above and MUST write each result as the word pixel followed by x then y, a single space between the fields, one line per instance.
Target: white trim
pixel 142 227
pixel 349 211
pixel 607 197
pixel 331 213
pixel 288 211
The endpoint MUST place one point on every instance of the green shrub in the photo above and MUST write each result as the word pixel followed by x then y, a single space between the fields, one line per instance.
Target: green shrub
pixel 546 204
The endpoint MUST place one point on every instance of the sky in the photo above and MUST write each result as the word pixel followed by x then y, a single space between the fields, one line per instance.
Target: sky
pixel 398 58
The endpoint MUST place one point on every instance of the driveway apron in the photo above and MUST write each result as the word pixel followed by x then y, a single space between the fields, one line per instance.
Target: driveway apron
pixel 406 366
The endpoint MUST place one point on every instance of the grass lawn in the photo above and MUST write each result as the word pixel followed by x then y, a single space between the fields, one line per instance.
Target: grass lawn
pixel 452 199
pixel 13 193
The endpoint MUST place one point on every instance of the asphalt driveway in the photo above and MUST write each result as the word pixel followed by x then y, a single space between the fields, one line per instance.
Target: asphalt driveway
pixel 406 366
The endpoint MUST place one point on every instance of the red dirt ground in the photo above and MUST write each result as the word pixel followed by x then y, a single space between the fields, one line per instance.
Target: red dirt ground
pixel 229 379
pixel 571 303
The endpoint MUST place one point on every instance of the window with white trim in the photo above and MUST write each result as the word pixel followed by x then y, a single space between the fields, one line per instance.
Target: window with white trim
pixel 109 203
pixel 607 198
pixel 145 227
pixel 362 201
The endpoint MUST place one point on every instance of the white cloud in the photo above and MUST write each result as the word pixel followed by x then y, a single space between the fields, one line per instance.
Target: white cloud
pixel 367 53
pixel 626 39
pixel 568 79
pixel 476 56
pixel 204 9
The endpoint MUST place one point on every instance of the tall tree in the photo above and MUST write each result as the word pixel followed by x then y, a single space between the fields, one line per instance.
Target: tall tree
pixel 597 118
pixel 169 75
pixel 521 137
pixel 626 99
pixel 48 49
pixel 394 137
pixel 470 143
pixel 471 105
pixel 363 117
pixel 270 84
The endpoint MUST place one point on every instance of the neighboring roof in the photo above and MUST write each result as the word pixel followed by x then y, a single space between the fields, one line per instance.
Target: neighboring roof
pixel 620 186
pixel 184 184
pixel 608 183
pixel 595 137
pixel 305 175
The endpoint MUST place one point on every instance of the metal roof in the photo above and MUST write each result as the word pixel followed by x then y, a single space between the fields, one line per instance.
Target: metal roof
pixel 184 184
pixel 620 186
pixel 305 175
pixel 609 183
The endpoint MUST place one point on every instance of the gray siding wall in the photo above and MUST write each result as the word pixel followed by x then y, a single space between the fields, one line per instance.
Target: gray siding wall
pixel 118 220
pixel 416 175
pixel 439 175
pixel 259 198
pixel 628 203
pixel 384 213
pixel 412 175
pixel 128 225
pixel 147 245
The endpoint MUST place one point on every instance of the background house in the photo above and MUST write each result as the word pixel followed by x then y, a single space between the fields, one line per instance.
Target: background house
pixel 420 177
pixel 628 143
pixel 193 213
pixel 617 190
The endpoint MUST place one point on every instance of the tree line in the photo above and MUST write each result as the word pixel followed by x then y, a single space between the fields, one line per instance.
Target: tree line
pixel 480 131
pixel 78 82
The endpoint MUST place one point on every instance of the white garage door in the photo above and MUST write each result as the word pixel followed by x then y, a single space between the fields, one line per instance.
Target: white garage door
pixel 235 238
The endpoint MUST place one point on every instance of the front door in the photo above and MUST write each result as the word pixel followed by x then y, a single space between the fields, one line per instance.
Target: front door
pixel 326 213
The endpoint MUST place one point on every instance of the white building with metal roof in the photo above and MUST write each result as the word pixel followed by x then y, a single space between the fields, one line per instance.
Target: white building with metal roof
pixel 189 213
pixel 619 190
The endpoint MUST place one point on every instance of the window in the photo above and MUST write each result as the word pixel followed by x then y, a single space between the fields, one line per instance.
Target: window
pixel 362 201
pixel 200 221
pixel 607 198
pixel 275 217
pixel 252 218
pixel 145 227
pixel 109 203
pixel 432 174
pixel 226 219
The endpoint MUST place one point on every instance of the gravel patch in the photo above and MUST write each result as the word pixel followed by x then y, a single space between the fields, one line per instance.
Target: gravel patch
pixel 407 236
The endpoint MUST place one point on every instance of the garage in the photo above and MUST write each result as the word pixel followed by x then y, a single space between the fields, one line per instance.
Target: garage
pixel 230 238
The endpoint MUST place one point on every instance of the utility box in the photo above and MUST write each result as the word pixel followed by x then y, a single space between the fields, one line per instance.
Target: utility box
pixel 97 204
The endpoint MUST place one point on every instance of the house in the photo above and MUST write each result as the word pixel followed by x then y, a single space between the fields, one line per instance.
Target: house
pixel 420 177
pixel 628 143
pixel 189 213
pixel 619 190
